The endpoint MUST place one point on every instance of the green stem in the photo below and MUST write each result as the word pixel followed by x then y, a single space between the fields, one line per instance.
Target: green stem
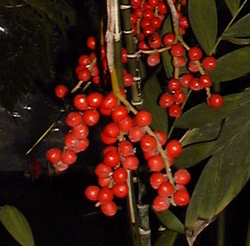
pixel 221 229
pixel 229 24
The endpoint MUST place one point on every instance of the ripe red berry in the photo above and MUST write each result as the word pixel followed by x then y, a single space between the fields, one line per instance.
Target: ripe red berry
pixel 174 148
pixel 70 141
pixel 156 179
pixel 181 197
pixel 162 8
pixel 106 139
pixel 215 101
pixel 104 182
pixel 209 63
pixel 105 195
pixel 80 102
pixel 91 42
pixel 174 85
pixel 153 59
pixel 120 190
pixel 84 60
pixel 185 79
pixel 195 84
pixel 125 124
pixel 154 41
pixel 175 110
pixel 91 117
pixel 119 113
pixel 84 75
pixel 177 50
pixel 194 54
pixel 148 13
pixel 94 99
pixel 128 79
pixel 156 163
pixel 182 177
pixel 156 22
pixel 161 136
pixel 61 91
pixel 148 143
pixel 80 131
pixel 83 144
pixel 179 97
pixel 136 133
pixel 112 158
pixel 160 204
pixel 73 119
pixel 181 61
pixel 69 157
pixel 166 189
pixel 109 101
pixel 120 175
pixel 166 100
pixel 125 148
pixel 130 162
pixel 192 67
pixel 168 39
pixel 205 81
pixel 111 130
pixel 53 155
pixel 102 170
pixel 143 118
pixel 153 3
pixel 109 208
pixel 92 192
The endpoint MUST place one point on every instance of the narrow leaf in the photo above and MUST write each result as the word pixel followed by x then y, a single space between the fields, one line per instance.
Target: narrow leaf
pixel 233 6
pixel 202 114
pixel 239 28
pixel 203 16
pixel 232 65
pixel 194 154
pixel 17 225
pixel 150 94
pixel 170 221
pixel 238 41
pixel 203 134
pixel 225 174
pixel 166 238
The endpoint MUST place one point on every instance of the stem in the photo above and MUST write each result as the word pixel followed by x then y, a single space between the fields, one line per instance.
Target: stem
pixel 221 230
pixel 229 24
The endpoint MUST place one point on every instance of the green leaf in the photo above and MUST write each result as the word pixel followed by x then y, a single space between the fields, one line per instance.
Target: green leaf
pixel 150 94
pixel 17 225
pixel 194 154
pixel 203 134
pixel 238 41
pixel 232 65
pixel 202 114
pixel 166 238
pixel 203 20
pixel 239 28
pixel 233 6
pixel 225 174
pixel 170 221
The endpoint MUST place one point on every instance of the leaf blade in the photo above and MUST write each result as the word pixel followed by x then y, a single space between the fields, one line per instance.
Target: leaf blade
pixel 233 6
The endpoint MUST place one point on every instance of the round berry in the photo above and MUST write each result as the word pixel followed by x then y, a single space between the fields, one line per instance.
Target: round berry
pixel 192 67
pixel 91 117
pixel 120 190
pixel 195 84
pixel 83 144
pixel 109 208
pixel 194 54
pixel 69 157
pixel 80 102
pixel 174 85
pixel 148 143
pixel 143 118
pixel 161 136
pixel 205 81
pixel 156 163
pixel 80 131
pixel 119 113
pixel 182 177
pixel 106 139
pixel 153 59
pixel 175 110
pixel 177 50
pixel 84 75
pixel 70 141
pixel 125 124
pixel 154 41
pixel 179 97
pixel 94 99
pixel 111 130
pixel 112 158
pixel 209 63
pixel 130 162
pixel 168 39
pixel 61 91
pixel 53 155
pixel 174 148
pixel 166 100
pixel 84 60
pixel 105 195
pixel 91 42
pixel 109 101
pixel 160 204
pixel 102 170
pixel 185 79
pixel 125 148
pixel 181 197
pixel 136 133
pixel 92 192
pixel 120 175
pixel 166 189
pixel 73 119
pixel 156 179
pixel 215 101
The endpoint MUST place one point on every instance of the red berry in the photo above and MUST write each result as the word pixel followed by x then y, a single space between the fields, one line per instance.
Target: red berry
pixel 174 148
pixel 112 158
pixel 120 190
pixel 91 42
pixel 138 13
pixel 70 141
pixel 195 85
pixel 160 204
pixel 91 117
pixel 192 67
pixel 130 162
pixel 92 192
pixel 80 102
pixel 156 163
pixel 106 139
pixel 161 136
pixel 125 148
pixel 148 143
pixel 61 91
pixel 53 155
pixel 111 130
pixel 102 170
pixel 181 197
pixel 120 175
pixel 84 75
pixel 153 59
pixel 162 8
pixel 177 50
pixel 183 22
pixel 83 144
pixel 166 189
pixel 94 99
pixel 175 110
pixel 69 157
pixel 154 41
pixel 215 101
pixel 148 14
pixel 181 61
pixel 125 124
pixel 179 97
pixel 109 101
pixel 135 134
pixel 209 63
pixel 147 155
pixel 109 208
pixel 156 22
pixel 174 85
pixel 194 54
pixel 127 79
pixel 168 39
pixel 80 131
pixel 84 60
pixel 73 119
pixel 185 79
pixel 182 177
pixel 105 195
pixel 143 118
pixel 153 3
pixel 205 81
pixel 119 113
pixel 104 182
pixel 166 100
pixel 156 179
